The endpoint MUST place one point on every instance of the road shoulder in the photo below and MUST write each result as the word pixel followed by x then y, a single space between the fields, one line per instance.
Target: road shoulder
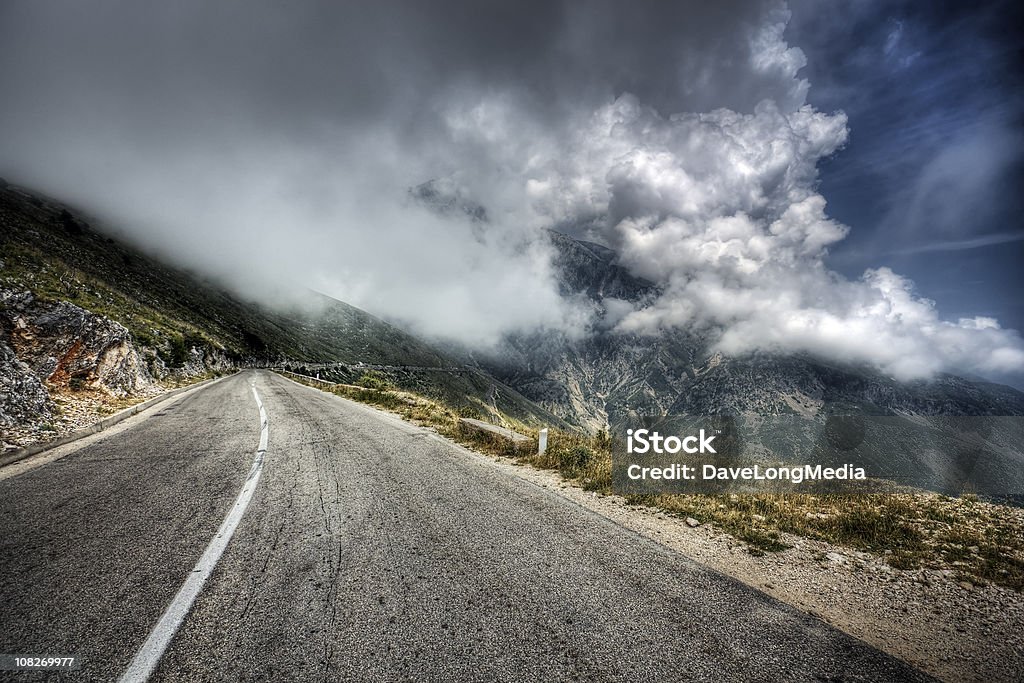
pixel 37 455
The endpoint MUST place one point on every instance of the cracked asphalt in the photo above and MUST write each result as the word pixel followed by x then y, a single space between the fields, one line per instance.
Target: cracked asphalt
pixel 372 550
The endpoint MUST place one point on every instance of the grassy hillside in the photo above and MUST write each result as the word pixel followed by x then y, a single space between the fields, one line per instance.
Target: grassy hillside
pixel 54 252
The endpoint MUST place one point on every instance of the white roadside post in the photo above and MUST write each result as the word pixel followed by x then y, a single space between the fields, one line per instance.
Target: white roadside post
pixel 542 441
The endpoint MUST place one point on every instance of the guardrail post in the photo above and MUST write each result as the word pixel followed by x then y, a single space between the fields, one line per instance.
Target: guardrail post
pixel 542 441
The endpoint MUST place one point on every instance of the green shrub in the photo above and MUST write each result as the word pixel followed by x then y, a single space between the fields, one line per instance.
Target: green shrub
pixel 374 379
pixel 470 412
pixel 574 459
pixel 178 353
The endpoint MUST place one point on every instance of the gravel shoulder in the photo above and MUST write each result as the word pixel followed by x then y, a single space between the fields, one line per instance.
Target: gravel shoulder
pixel 78 410
pixel 375 548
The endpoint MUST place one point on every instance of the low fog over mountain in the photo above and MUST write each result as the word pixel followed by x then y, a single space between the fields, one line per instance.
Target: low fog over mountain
pixel 412 158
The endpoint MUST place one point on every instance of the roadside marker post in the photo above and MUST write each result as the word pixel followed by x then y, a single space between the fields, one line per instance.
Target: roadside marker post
pixel 542 441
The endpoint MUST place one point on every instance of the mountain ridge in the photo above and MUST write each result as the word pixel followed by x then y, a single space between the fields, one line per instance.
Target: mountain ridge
pixel 609 378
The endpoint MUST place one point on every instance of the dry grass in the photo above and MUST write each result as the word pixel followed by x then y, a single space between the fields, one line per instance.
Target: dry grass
pixel 981 542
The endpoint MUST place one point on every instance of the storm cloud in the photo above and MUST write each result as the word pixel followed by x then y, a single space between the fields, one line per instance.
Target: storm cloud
pixel 271 144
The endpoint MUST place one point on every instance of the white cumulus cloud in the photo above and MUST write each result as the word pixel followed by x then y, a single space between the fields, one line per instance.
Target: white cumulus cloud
pixel 721 210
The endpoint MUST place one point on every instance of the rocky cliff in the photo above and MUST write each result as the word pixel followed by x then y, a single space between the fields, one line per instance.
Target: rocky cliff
pixel 85 313
pixel 608 378
pixel 23 398
pixel 58 361
pixel 68 347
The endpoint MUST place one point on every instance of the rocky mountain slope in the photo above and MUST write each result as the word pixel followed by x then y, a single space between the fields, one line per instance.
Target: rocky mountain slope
pixel 71 347
pixel 61 256
pixel 609 378
pixel 81 311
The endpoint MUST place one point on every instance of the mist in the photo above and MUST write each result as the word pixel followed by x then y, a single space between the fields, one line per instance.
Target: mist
pixel 269 145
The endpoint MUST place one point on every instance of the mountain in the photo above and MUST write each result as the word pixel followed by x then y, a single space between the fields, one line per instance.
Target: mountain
pixel 80 310
pixel 608 378
pixel 58 255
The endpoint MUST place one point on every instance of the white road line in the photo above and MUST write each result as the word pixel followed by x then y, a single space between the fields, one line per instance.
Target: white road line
pixel 149 654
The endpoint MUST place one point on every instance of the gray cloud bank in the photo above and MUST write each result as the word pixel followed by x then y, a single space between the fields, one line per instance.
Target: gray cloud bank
pixel 270 143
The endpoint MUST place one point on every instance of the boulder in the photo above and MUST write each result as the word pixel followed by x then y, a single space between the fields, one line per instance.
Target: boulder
pixel 67 346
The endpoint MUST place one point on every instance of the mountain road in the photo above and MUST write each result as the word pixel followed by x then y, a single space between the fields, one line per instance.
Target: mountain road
pixel 350 545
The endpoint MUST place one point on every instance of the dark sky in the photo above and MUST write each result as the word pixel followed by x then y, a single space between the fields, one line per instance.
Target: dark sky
pixel 931 178
pixel 802 177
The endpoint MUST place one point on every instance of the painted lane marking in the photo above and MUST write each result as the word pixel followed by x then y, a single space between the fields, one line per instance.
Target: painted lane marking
pixel 149 654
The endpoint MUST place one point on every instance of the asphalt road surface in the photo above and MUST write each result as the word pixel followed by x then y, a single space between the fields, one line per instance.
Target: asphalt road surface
pixel 371 550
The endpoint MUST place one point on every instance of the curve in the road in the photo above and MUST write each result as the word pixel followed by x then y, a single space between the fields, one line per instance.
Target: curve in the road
pixel 372 549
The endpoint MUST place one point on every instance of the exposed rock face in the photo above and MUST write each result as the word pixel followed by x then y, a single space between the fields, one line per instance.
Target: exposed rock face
pixel 22 396
pixel 800 385
pixel 607 378
pixel 592 270
pixel 200 361
pixel 67 346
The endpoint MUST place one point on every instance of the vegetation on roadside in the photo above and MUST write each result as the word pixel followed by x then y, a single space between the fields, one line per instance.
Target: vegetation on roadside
pixel 76 408
pixel 980 542
pixel 52 280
